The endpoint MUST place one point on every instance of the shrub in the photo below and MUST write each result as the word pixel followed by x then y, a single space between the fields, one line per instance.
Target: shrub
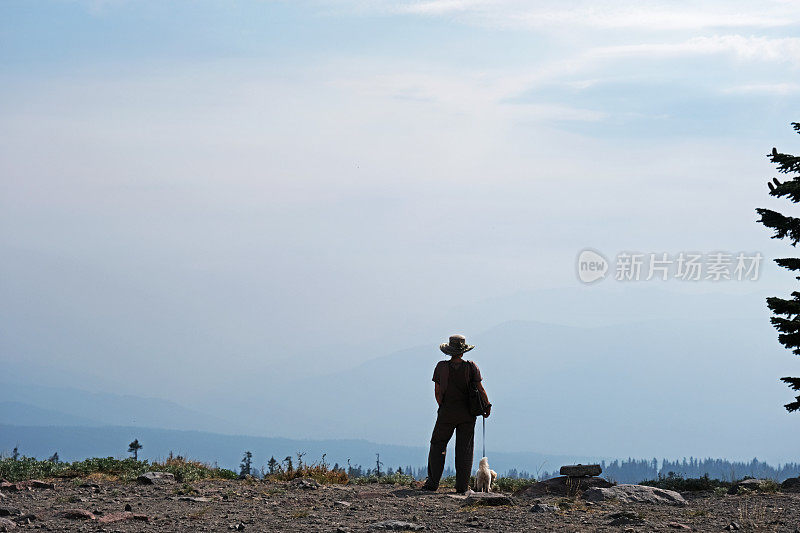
pixel 123 469
pixel 319 472
pixel 678 483
pixel 510 484
pixel 186 471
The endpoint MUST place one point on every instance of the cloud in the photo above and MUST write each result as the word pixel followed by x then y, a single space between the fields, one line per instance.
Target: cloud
pixel 746 48
pixel 611 15
pixel 781 89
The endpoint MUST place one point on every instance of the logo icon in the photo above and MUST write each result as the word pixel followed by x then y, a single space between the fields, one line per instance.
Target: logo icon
pixel 591 266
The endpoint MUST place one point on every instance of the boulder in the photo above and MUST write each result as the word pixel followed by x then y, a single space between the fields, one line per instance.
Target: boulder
pixel 580 470
pixel 791 485
pixel 543 508
pixel 155 478
pixel 9 511
pixel 488 498
pixel 7 525
pixel 305 483
pixel 634 493
pixel 562 486
pixel 752 485
pixel 625 518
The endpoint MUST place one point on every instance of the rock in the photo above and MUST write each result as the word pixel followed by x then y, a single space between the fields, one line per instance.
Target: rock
pixel 9 511
pixel 733 526
pixel 36 484
pixel 124 515
pixel 543 508
pixel 562 486
pixel 634 493
pixel 155 478
pixel 78 514
pixel 237 527
pixel 751 485
pixel 26 518
pixel 624 518
pixel 398 525
pixel 26 485
pixel 677 525
pixel 198 499
pixel 580 470
pixel 488 498
pixel 791 485
pixel 7 525
pixel 341 504
pixel 128 507
pixel 305 483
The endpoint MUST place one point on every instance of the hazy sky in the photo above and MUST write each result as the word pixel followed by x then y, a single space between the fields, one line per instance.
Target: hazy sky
pixel 229 184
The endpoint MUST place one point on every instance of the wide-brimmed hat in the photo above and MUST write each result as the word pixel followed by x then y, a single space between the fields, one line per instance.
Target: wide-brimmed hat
pixel 457 345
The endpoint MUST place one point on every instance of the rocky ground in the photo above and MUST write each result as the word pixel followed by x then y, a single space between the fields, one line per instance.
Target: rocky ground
pixel 99 505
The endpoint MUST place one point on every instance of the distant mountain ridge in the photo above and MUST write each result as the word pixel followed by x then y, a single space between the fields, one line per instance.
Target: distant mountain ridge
pixel 45 405
pixel 17 412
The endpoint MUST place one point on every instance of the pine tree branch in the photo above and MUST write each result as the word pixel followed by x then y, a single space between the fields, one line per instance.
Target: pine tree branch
pixel 794 383
pixel 784 226
pixel 790 189
pixel 789 263
pixel 786 326
pixel 789 308
pixel 786 162
pixel 790 341
pixel 794 406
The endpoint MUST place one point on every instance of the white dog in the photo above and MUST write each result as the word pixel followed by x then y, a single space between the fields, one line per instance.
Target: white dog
pixel 484 477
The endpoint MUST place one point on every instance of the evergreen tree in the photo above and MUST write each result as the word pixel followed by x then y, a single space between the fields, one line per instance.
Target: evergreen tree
pixel 272 464
pixel 245 469
pixel 15 453
pixel 134 448
pixel 786 312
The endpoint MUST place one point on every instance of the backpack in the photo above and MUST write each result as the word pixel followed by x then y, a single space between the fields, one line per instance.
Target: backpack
pixel 476 405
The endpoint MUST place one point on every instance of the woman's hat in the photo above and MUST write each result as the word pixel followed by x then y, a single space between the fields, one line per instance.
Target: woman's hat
pixel 457 345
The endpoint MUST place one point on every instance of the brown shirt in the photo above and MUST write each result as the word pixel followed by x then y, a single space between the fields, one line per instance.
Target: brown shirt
pixel 441 373
pixel 453 378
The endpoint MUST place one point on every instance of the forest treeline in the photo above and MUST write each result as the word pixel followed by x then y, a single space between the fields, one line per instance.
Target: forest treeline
pixel 636 470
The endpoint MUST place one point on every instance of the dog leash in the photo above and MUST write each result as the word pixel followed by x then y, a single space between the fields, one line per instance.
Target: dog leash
pixel 484 437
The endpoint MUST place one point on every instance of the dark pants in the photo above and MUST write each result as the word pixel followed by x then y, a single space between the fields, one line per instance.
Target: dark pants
pixel 442 432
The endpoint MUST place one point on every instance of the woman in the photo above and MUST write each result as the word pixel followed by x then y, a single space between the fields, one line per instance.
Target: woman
pixel 451 380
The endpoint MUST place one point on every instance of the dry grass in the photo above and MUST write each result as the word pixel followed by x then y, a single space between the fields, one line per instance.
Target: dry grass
pixel 319 472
